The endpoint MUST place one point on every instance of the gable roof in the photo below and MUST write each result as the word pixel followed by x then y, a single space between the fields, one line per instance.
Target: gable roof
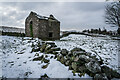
pixel 51 17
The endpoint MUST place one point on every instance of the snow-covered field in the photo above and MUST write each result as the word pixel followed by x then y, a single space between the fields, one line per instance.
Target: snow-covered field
pixel 17 57
pixel 17 65
pixel 108 49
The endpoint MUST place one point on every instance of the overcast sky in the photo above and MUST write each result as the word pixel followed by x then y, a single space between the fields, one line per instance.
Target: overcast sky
pixel 72 15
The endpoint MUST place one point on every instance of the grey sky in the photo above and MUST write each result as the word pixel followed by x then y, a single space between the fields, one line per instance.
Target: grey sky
pixel 72 15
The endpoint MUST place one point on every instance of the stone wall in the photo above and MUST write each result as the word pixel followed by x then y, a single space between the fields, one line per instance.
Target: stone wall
pixel 55 28
pixel 43 29
pixel 35 26
pixel 77 60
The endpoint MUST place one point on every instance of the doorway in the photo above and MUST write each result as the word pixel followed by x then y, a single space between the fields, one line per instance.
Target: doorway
pixel 50 34
pixel 31 28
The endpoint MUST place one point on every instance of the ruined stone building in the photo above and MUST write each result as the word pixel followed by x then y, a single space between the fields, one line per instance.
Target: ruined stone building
pixel 46 28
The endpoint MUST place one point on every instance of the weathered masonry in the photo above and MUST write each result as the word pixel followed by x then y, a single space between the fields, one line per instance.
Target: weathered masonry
pixel 46 28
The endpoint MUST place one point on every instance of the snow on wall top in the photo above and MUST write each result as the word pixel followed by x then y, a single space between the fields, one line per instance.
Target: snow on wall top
pixel 38 16
pixel 41 17
pixel 12 29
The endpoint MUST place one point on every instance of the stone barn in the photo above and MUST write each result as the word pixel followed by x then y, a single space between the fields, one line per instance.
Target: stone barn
pixel 46 28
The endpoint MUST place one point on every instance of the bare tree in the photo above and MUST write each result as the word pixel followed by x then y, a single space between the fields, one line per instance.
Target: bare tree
pixel 112 16
pixel 113 0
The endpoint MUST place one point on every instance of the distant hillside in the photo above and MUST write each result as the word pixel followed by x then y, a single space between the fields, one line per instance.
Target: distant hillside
pixel 12 29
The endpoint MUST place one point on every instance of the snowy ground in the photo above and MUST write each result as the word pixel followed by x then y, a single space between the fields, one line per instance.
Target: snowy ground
pixel 16 65
pixel 108 49
pixel 17 57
